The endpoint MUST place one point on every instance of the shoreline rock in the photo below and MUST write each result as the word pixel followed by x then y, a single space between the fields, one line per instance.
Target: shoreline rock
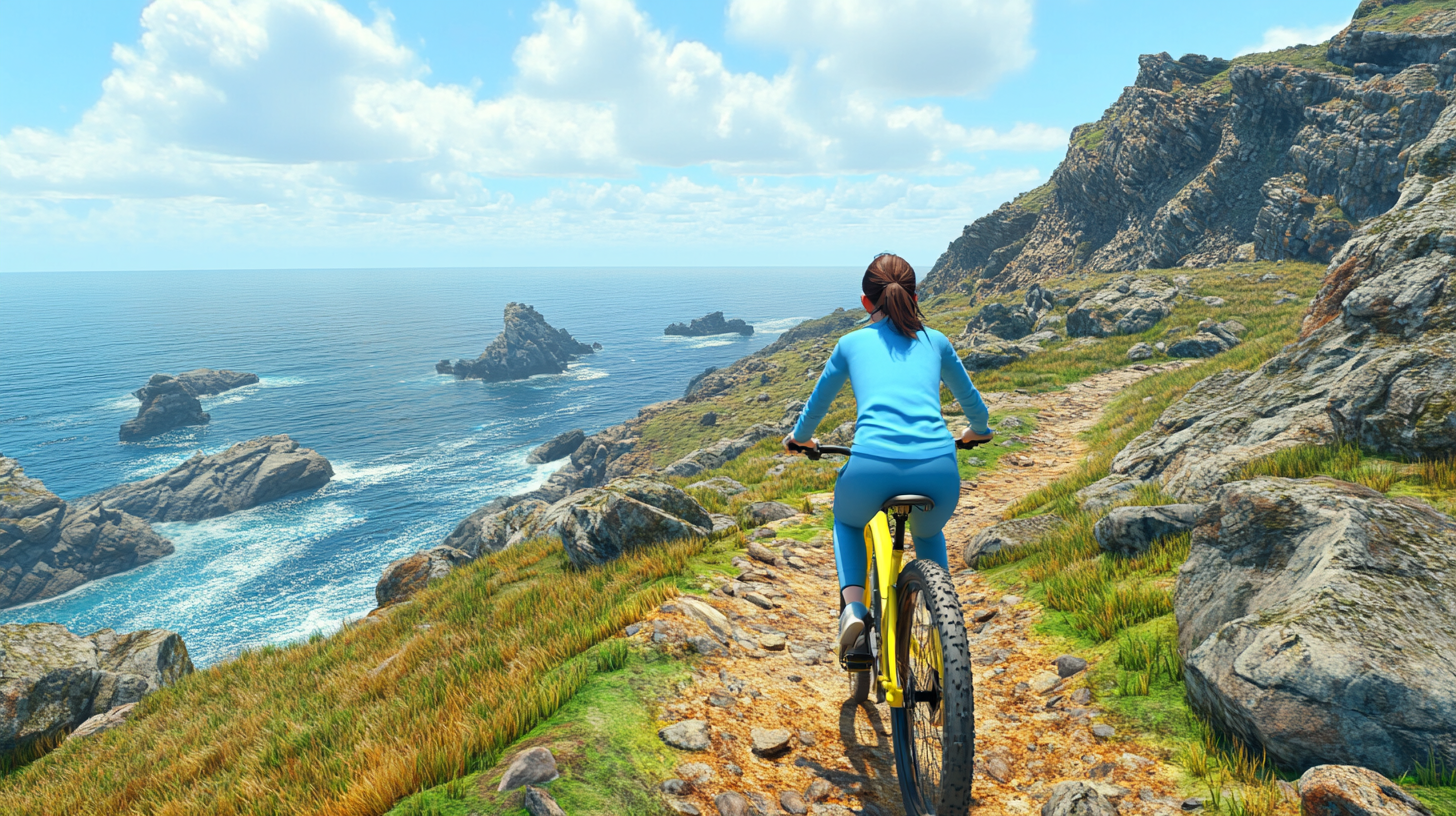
pixel 245 475
pixel 709 325
pixel 54 680
pixel 170 402
pixel 559 447
pixel 526 346
pixel 51 546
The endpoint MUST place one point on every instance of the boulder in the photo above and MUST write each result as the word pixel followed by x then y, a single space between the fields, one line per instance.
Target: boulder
pixel 1316 622
pixel 1200 345
pixel 709 325
pixel 723 524
pixel 600 524
pixel 532 766
pixel 1127 306
pixel 526 346
pixel 538 802
pixel 984 352
pixel 771 742
pixel 407 576
pixel 103 722
pixel 1375 363
pixel 763 512
pixel 559 447
pixel 1009 534
pixel 52 680
pixel 1140 352
pixel 1077 799
pixel 688 735
pixel 48 546
pixel 488 530
pixel 204 382
pixel 1004 322
pixel 1132 531
pixel 1342 790
pixel 245 475
pixel 166 404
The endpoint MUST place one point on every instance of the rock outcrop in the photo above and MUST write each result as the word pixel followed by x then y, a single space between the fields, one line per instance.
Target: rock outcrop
pixel 403 578
pixel 1316 622
pixel 526 346
pixel 48 546
pixel 166 404
pixel 1375 365
pixel 488 530
pixel 724 450
pixel 1008 534
pixel 983 352
pixel 1012 322
pixel 1131 531
pixel 245 475
pixel 1285 153
pixel 709 325
pixel 559 447
pixel 1342 790
pixel 1129 305
pixel 52 680
pixel 170 402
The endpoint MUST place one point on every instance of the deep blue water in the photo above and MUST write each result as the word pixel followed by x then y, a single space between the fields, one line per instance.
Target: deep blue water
pixel 347 365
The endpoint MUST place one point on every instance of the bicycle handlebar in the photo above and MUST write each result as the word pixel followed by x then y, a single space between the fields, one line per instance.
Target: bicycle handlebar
pixel 838 450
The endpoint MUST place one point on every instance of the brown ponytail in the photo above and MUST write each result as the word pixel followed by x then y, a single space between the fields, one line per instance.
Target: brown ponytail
pixel 889 282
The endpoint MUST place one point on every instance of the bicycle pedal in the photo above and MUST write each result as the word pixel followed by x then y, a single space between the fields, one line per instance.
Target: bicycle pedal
pixel 856 662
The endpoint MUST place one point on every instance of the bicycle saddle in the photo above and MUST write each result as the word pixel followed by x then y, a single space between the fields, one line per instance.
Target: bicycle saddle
pixel 909 500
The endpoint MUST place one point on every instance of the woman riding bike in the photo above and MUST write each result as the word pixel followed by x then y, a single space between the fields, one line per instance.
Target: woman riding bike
pixel 901 443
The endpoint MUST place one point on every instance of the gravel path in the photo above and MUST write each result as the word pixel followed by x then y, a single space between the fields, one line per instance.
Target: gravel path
pixel 770 679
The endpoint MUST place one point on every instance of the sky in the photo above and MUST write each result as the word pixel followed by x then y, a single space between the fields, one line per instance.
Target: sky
pixel 237 134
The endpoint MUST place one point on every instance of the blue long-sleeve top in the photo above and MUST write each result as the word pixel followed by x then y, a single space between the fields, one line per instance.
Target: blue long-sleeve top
pixel 896 384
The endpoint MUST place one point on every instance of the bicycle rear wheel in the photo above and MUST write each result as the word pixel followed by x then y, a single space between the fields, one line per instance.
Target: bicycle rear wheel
pixel 934 733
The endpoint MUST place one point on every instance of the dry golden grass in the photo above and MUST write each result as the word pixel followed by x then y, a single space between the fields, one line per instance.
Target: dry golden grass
pixel 347 725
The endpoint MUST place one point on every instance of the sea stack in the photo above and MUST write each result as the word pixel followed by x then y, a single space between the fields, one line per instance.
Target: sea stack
pixel 708 325
pixel 527 346
pixel 170 402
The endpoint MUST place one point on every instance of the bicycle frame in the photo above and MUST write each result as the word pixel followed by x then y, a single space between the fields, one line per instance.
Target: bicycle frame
pixel 880 549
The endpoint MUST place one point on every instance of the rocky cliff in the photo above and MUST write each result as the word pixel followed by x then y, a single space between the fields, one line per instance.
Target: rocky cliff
pixel 48 546
pixel 1201 161
pixel 170 402
pixel 245 475
pixel 526 346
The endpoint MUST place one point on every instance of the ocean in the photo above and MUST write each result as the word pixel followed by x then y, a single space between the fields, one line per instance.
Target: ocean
pixel 347 360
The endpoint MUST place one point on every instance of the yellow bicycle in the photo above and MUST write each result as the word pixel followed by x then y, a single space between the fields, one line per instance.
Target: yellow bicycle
pixel 916 657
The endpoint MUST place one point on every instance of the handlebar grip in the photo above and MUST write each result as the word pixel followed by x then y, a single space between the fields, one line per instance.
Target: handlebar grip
pixel 974 443
pixel 812 453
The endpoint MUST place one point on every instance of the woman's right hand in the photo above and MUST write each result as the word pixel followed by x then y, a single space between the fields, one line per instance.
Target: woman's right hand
pixel 789 440
pixel 968 436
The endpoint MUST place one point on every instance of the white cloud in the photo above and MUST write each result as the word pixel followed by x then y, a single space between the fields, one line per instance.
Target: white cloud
pixel 1280 37
pixel 897 48
pixel 296 113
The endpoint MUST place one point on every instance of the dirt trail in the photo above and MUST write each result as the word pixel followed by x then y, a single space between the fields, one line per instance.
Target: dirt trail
pixel 780 673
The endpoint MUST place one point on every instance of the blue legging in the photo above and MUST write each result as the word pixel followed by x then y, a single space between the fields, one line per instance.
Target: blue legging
pixel 864 484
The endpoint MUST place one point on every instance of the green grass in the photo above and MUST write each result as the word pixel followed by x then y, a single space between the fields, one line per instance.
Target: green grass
pixel 1402 16
pixel 1431 480
pixel 1035 200
pixel 605 742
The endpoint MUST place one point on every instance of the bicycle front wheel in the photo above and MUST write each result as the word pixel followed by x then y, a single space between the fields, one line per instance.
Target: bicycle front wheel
pixel 934 733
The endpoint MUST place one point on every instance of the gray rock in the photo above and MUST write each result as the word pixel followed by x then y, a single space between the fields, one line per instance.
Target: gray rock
pixel 771 742
pixel 723 524
pixel 708 419
pixel 405 577
pixel 1077 799
pixel 488 530
pixel 539 803
pixel 49 547
pixel 1141 351
pixel 103 722
pixel 983 352
pixel 698 773
pixel 1214 301
pixel 205 382
pixel 709 325
pixel 676 787
pixel 166 404
pixel 1342 790
pixel 51 680
pixel 526 346
pixel 793 803
pixel 1202 344
pixel 530 767
pixel 819 790
pixel 1104 731
pixel 701 610
pixel 1008 534
pixel 1005 322
pixel 722 485
pixel 723 451
pixel 843 434
pixel 731 803
pixel 685 808
pixel 688 735
pixel 243 476
pixel 1068 665
pixel 758 552
pixel 600 524
pixel 1127 306
pixel 765 511
pixel 1132 531
pixel 559 447
pixel 1316 621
